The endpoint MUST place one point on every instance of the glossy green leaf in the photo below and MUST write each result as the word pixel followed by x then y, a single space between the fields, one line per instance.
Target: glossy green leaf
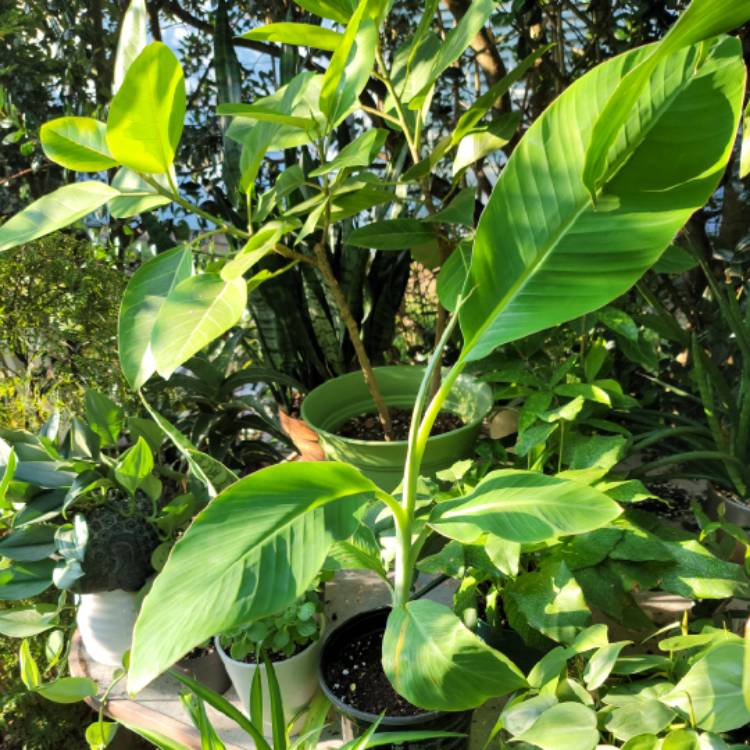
pixel 336 10
pixel 480 143
pixel 548 600
pixel 146 116
pixel 452 276
pixel 7 472
pixel 746 667
pixel 104 417
pixel 434 661
pixel 100 734
pixel 78 143
pixel 197 311
pixel 68 689
pixel 639 717
pixel 53 211
pixel 136 195
pixel 523 506
pixel 24 622
pixel 643 742
pixel 460 211
pixel 146 292
pixel 518 717
pixel 134 466
pixel 675 260
pixel 131 41
pixel 601 664
pixel 702 20
pixel 681 739
pixel 543 253
pixel 712 690
pixel 391 234
pixel 256 548
pixel 263 114
pixel 28 543
pixel 359 153
pixel 566 726
pixel 455 43
pixel 351 64
pixel 300 34
pixel 30 675
pixel 28 579
pixel 256 248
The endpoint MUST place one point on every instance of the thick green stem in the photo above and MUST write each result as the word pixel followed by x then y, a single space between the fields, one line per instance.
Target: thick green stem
pixel 422 422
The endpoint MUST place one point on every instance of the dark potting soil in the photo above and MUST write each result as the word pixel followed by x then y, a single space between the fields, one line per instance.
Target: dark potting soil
pixel 368 427
pixel 199 651
pixel 357 678
pixel 674 504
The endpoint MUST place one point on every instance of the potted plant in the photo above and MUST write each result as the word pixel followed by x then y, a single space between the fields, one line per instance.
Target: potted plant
pixel 291 641
pixel 594 232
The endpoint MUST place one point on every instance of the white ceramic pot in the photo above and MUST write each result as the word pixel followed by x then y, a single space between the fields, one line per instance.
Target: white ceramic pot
pixel 297 677
pixel 105 622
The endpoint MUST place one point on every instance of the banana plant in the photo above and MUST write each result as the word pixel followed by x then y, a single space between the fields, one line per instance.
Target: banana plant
pixel 549 247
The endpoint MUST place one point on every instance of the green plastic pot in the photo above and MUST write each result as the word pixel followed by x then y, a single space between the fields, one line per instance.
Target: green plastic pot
pixel 330 405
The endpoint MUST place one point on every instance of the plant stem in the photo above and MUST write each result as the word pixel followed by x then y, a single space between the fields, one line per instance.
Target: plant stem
pixel 353 330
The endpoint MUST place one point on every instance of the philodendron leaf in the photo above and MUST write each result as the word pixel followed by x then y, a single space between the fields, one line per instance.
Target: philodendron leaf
pixel 300 34
pixel 523 506
pixel 132 40
pixel 255 549
pixel 702 20
pixel 134 466
pixel 566 726
pixel 147 113
pixel 51 212
pixel 197 310
pixel 601 663
pixel 711 691
pixel 434 661
pixel 144 296
pixel 543 253
pixel 78 143
pixel 104 417
pixel 24 622
pixel 68 689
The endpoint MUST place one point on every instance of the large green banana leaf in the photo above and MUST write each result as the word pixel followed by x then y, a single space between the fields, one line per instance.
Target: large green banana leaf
pixel 544 253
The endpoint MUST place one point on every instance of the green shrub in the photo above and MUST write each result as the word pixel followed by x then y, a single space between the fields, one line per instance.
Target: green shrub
pixel 58 326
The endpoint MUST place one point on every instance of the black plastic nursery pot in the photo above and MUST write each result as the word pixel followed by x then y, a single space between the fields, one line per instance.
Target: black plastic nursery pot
pixel 355 722
pixel 327 407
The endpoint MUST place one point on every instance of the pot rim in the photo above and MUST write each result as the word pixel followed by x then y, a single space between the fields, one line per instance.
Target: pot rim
pixel 465 428
pixel 345 708
pixel 317 642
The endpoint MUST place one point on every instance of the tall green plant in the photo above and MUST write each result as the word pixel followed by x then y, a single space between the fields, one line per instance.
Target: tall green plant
pixel 544 253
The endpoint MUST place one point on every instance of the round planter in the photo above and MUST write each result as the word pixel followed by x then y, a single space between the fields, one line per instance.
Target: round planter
pixel 734 511
pixel 330 405
pixel 208 669
pixel 297 677
pixel 105 621
pixel 354 722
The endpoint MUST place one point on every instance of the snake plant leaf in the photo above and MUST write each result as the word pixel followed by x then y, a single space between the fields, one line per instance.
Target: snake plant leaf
pixel 711 691
pixel 454 45
pixel 745 157
pixel 144 296
pixel 544 253
pixel 300 34
pixel 53 211
pixel 255 549
pixel 702 20
pixel 197 311
pixel 524 507
pixel 434 661
pixel 147 113
pixel 78 143
pixel 133 38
